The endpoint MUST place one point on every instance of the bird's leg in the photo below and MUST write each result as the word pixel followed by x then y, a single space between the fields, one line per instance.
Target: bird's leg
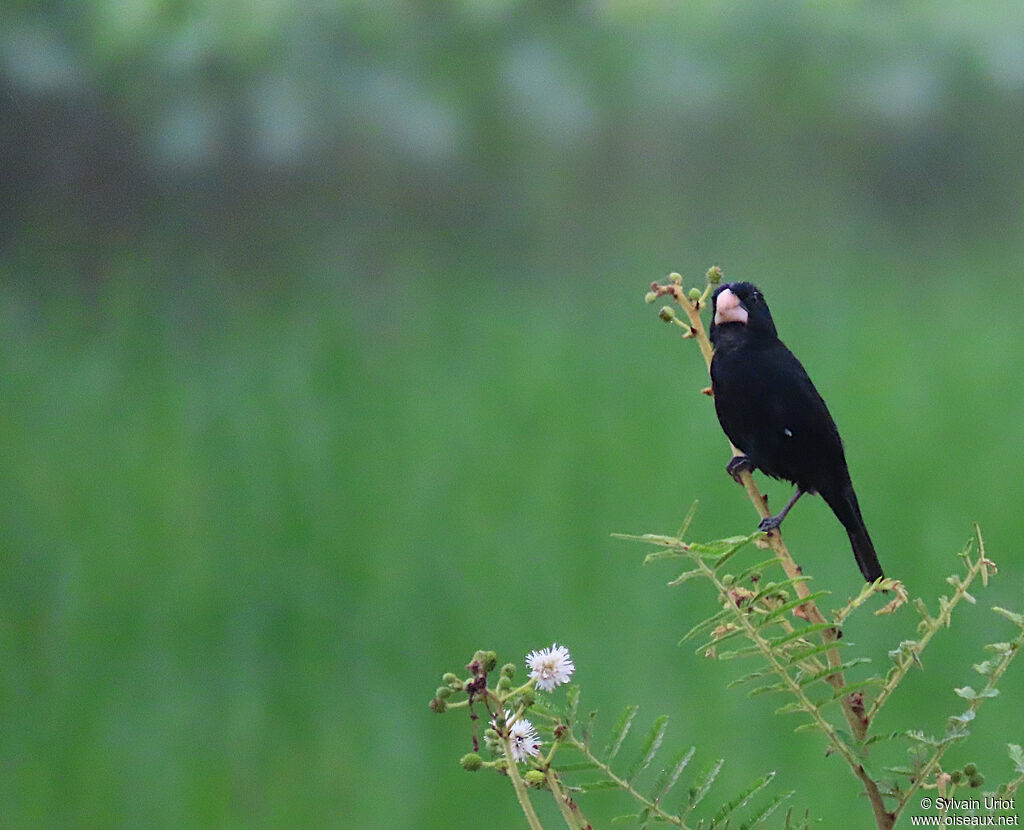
pixel 737 464
pixel 772 522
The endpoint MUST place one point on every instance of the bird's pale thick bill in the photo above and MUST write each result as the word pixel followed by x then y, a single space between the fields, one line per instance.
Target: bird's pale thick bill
pixel 729 309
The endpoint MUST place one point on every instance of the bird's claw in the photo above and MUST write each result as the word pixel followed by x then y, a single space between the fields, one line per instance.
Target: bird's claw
pixel 738 464
pixel 770 523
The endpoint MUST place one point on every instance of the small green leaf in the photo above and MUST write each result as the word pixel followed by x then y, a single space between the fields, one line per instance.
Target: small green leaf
pixel 703 784
pixel 1016 619
pixel 917 736
pixel 987 667
pixel 572 700
pixel 760 567
pixel 688 519
pixel 588 729
pixel 747 678
pixel 594 786
pixel 670 553
pixel 710 622
pixel 795 657
pixel 651 745
pixel 577 766
pixel 767 690
pixel 741 800
pixel 796 603
pixel 831 670
pixel 779 586
pixel 852 687
pixel 619 732
pixel 749 651
pixel 685 576
pixel 670 775
pixel 1017 756
pixel 728 635
pixel 758 818
pixel 775 642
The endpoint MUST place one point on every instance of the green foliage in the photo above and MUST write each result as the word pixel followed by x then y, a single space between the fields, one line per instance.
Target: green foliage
pixel 797 658
pixel 550 770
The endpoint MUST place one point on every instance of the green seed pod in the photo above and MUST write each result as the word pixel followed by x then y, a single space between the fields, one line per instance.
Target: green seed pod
pixel 471 762
pixel 534 778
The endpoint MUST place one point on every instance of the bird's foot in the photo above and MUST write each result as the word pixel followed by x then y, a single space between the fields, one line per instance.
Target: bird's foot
pixel 737 464
pixel 770 523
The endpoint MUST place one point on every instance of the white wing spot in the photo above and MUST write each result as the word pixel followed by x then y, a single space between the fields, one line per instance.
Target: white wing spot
pixel 789 432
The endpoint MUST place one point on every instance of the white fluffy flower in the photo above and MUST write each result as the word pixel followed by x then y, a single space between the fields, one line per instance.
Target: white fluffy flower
pixel 522 735
pixel 550 667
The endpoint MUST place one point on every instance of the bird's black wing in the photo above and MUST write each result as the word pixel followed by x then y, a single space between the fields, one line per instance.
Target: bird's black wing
pixel 770 410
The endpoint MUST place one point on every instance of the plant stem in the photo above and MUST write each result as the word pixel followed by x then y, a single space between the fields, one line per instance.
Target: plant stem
pixel 654 809
pixel 520 786
pixel 574 819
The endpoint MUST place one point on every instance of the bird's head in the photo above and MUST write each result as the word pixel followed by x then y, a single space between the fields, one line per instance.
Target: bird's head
pixel 740 307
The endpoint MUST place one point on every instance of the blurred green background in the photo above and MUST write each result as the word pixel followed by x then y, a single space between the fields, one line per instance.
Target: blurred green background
pixel 325 363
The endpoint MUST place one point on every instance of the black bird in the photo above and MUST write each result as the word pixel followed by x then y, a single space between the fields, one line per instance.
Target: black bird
pixel 772 413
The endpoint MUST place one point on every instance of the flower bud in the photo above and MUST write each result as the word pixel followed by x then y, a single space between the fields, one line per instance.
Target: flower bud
pixel 534 778
pixel 438 705
pixel 471 762
pixel 443 692
pixel 453 682
pixel 486 660
pixel 650 297
pixel 667 313
pixel 970 769
pixel 676 278
pixel 695 294
pixel 508 670
pixel 714 275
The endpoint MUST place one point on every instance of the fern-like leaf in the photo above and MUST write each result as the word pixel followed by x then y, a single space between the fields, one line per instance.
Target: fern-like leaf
pixel 619 733
pixel 670 775
pixel 651 745
pixel 764 812
pixel 741 799
pixel 701 786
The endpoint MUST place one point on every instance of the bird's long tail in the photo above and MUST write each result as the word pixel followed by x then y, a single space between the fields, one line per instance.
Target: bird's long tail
pixel 844 505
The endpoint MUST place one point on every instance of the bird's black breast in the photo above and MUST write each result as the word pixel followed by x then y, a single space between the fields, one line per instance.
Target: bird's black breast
pixel 770 410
